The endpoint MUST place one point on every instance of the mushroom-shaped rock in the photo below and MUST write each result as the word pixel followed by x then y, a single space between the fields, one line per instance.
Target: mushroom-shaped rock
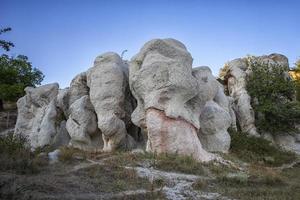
pixel 108 84
pixel 162 82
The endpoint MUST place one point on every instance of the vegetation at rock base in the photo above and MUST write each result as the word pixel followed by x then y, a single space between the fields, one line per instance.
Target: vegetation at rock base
pixel 16 73
pixel 250 176
pixel 15 155
pixel 258 150
pixel 272 93
pixel 67 154
pixel 166 162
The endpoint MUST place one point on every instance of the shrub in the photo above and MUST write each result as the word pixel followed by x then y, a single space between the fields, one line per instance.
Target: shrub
pixel 272 93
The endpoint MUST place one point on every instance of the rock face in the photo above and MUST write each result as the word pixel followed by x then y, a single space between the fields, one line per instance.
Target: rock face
pixel 179 109
pixel 38 117
pixel 234 73
pixel 82 126
pixel 214 108
pixel 161 138
pixel 93 114
pixel 170 98
pixel 108 84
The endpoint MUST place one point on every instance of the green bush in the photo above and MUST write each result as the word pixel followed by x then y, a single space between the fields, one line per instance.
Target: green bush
pixel 272 94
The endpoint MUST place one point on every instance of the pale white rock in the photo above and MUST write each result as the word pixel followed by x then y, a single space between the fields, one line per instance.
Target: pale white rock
pixel 232 113
pixel 39 119
pixel 66 97
pixel 288 142
pixel 78 88
pixel 161 77
pixel 168 105
pixel 213 108
pixel 82 126
pixel 108 82
pixel 214 122
pixel 54 156
pixel 234 73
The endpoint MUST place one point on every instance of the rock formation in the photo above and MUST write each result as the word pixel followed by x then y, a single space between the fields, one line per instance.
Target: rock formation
pixel 170 99
pixel 39 119
pixel 157 98
pixel 179 109
pixel 234 73
pixel 82 125
pixel 214 108
pixel 93 114
pixel 108 83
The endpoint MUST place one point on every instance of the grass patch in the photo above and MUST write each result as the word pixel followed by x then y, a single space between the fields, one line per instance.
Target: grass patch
pixel 261 182
pixel 15 155
pixel 165 162
pixel 177 163
pixel 258 150
pixel 68 154
pixel 114 178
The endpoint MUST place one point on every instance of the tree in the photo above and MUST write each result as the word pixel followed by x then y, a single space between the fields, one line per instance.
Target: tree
pixel 6 45
pixel 272 93
pixel 16 73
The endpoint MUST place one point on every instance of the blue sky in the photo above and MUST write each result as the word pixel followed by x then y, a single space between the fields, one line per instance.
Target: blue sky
pixel 63 37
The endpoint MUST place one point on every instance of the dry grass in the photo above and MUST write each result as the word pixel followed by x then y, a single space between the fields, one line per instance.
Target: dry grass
pixel 258 150
pixel 166 162
pixel 68 154
pixel 16 156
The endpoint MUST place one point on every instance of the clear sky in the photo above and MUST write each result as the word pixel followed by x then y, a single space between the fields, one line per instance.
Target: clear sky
pixel 63 37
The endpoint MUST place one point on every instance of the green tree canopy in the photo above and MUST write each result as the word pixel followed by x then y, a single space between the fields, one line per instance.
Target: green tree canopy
pixel 6 45
pixel 16 73
pixel 272 92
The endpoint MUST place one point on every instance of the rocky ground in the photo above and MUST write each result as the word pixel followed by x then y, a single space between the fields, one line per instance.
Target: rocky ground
pixel 139 175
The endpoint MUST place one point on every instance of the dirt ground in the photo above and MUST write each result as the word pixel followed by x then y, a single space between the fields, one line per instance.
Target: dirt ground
pixel 139 176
